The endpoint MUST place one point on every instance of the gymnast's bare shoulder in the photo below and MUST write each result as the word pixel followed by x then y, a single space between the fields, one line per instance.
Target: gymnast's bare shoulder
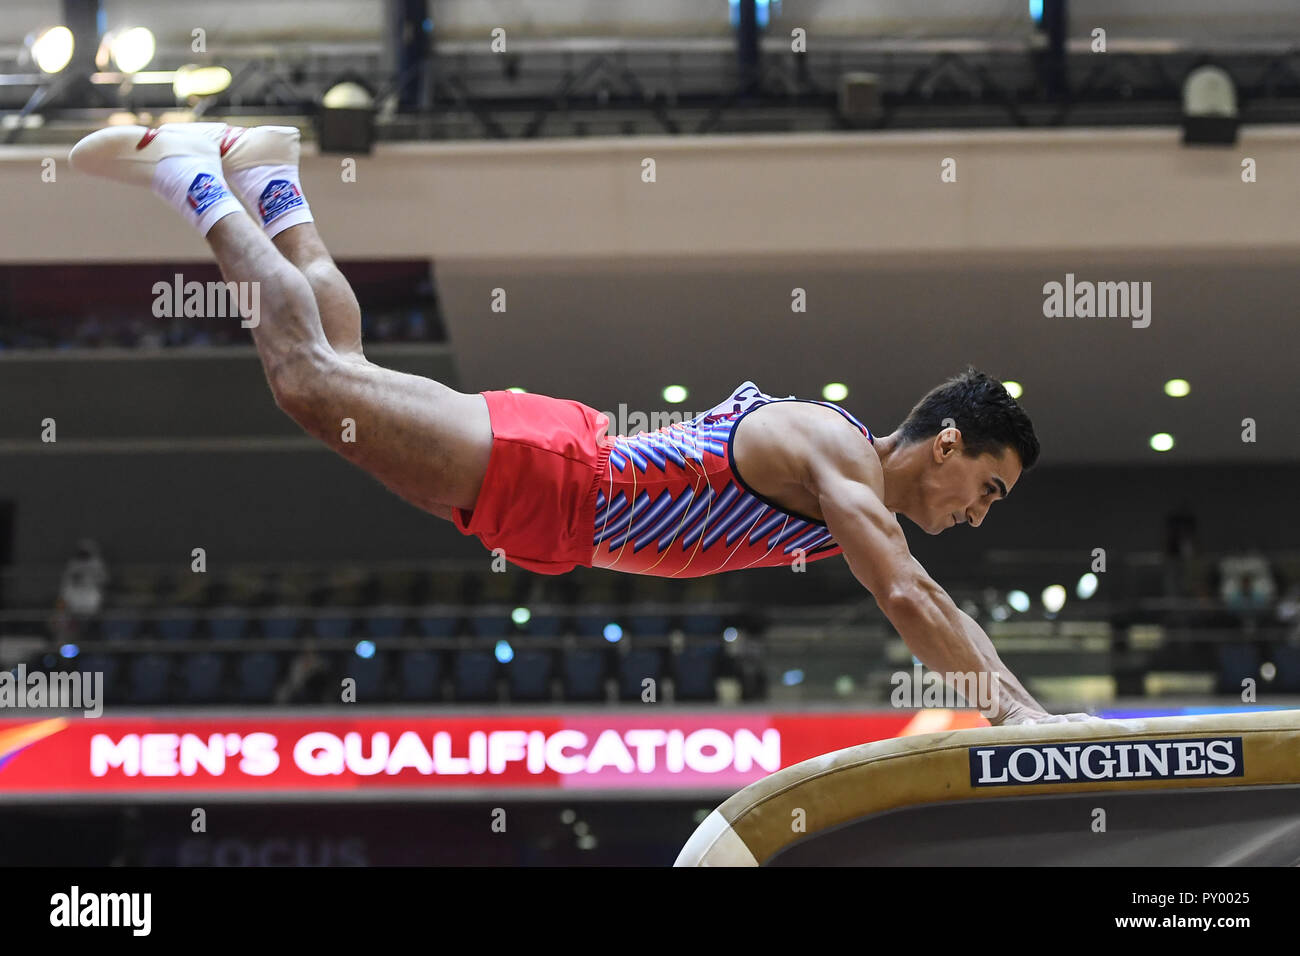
pixel 780 446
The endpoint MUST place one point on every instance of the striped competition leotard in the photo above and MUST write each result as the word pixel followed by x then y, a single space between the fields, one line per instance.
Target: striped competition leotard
pixel 671 502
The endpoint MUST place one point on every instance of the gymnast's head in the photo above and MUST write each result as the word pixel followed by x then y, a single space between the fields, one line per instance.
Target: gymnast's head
pixel 962 447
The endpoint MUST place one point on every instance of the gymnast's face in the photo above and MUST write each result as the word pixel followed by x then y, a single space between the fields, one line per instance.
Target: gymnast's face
pixel 958 489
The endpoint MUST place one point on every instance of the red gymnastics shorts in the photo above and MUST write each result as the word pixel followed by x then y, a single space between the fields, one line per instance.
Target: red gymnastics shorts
pixel 538 500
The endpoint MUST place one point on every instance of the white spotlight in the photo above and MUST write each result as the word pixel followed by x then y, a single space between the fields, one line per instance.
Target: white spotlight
pixel 1053 598
pixel 132 49
pixel 1209 107
pixel 194 80
pixel 52 49
pixel 835 392
pixel 347 96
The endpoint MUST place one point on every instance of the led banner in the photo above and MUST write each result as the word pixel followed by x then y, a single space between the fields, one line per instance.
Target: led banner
pixel 427 756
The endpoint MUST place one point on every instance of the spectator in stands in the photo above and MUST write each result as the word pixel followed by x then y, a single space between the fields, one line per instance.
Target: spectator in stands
pixel 306 679
pixel 1288 612
pixel 1185 571
pixel 81 589
pixel 747 664
pixel 1246 586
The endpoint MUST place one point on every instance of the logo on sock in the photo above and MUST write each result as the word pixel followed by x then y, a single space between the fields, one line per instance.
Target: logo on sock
pixel 204 191
pixel 277 198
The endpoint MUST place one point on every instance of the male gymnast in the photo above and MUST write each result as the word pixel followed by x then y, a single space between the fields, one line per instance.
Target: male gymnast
pixel 540 478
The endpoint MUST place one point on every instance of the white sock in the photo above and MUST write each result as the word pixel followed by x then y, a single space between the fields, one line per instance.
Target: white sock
pixel 195 188
pixel 274 195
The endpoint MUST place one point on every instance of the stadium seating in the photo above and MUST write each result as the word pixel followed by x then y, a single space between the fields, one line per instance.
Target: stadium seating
pixel 370 674
pixel 420 676
pixel 147 679
pixel 695 672
pixel 636 666
pixel 530 675
pixel 474 677
pixel 228 624
pixel 584 675
pixel 257 675
pixel 201 677
pixel 564 649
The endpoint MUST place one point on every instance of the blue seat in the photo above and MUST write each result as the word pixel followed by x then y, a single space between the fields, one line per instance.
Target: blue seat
pixel 419 676
pixel 695 670
pixel 378 628
pixel 649 625
pixel 584 674
pixel 176 628
pixel 228 627
pixel 1287 659
pixel 433 626
pixel 589 625
pixel 280 627
pixel 369 673
pixel 634 667
pixel 530 675
pixel 332 627
pixel 544 625
pixel 147 678
pixel 119 628
pixel 256 676
pixel 1236 662
pixel 702 625
pixel 107 664
pixel 201 678
pixel 489 625
pixel 474 676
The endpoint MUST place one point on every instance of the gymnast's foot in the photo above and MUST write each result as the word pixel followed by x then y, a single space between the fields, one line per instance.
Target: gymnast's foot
pixel 178 162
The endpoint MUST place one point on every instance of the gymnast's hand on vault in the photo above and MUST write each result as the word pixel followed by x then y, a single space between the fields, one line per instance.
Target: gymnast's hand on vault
pixel 1021 715
pixel 1059 718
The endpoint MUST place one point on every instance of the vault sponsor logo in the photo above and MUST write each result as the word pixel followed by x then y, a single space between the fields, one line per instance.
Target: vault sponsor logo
pixel 76 908
pixel 325 754
pixel 1009 766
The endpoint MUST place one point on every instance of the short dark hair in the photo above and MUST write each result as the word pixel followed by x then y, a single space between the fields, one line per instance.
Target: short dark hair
pixel 986 415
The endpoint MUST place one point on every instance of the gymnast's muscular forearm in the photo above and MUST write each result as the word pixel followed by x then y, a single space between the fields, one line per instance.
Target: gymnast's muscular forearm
pixel 947 640
pixel 941 636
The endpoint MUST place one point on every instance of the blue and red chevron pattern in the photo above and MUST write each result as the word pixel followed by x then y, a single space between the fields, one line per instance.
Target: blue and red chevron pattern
pixel 671 503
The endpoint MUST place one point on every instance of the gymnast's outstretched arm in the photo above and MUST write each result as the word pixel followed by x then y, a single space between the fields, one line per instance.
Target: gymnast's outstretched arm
pixel 849 487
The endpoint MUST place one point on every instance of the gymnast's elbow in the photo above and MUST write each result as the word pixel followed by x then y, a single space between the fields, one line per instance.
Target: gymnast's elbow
pixel 911 606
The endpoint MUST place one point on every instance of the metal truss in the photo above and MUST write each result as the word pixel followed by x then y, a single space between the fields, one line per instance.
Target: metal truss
pixel 667 87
